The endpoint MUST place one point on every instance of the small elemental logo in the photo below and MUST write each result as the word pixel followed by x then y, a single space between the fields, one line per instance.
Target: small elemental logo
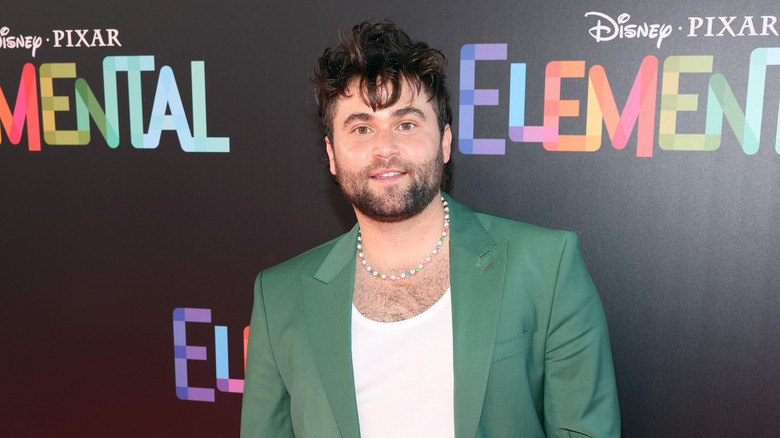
pixel 183 353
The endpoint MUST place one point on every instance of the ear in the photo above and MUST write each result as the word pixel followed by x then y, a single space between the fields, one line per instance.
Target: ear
pixel 331 156
pixel 446 143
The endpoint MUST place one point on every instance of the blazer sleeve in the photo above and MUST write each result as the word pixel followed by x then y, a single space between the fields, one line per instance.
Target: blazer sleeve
pixel 580 394
pixel 265 411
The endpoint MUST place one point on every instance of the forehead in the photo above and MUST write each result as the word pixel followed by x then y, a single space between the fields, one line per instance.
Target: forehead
pixel 357 99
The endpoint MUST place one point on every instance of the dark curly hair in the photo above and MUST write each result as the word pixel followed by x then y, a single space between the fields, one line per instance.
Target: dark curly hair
pixel 381 57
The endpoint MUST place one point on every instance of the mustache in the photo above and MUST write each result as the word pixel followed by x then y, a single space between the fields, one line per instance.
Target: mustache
pixel 387 163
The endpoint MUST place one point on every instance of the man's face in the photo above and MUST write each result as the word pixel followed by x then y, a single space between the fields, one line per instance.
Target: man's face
pixel 388 162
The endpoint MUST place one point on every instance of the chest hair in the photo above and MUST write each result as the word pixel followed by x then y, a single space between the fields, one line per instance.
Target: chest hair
pixel 397 300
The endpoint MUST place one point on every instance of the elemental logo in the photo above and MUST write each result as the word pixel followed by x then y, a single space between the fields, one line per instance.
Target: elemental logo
pixel 640 106
pixel 183 353
pixel 106 117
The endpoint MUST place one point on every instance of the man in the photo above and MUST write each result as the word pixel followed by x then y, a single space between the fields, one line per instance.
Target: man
pixel 427 319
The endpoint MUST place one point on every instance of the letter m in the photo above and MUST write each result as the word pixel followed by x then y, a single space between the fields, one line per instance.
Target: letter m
pixel 26 109
pixel 640 106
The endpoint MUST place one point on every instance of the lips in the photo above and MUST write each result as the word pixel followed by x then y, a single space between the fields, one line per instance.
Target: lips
pixel 387 174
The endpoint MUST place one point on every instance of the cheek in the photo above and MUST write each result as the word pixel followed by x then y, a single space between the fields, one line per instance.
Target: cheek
pixel 425 148
pixel 353 157
pixel 346 164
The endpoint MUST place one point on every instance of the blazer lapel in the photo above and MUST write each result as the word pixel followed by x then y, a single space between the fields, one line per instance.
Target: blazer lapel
pixel 477 266
pixel 328 304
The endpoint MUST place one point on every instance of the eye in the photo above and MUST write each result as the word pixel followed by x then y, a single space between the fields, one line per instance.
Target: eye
pixel 406 126
pixel 362 130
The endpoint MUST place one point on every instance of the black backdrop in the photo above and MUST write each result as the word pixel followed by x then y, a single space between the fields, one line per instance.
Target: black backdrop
pixel 99 245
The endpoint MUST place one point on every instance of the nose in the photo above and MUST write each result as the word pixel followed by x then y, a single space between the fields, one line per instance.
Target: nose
pixel 385 144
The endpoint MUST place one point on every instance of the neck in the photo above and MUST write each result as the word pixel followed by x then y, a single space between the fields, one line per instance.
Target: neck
pixel 399 244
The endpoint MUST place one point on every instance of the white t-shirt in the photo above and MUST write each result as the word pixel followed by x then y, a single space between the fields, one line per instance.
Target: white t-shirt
pixel 403 374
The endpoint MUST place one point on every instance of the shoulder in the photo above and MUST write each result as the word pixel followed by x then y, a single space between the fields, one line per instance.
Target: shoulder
pixel 518 235
pixel 513 228
pixel 308 260
pixel 536 248
pixel 321 262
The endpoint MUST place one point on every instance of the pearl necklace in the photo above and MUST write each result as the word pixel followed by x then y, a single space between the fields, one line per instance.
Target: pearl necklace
pixel 414 269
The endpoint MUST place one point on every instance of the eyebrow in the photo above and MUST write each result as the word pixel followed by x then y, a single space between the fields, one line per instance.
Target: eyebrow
pixel 401 112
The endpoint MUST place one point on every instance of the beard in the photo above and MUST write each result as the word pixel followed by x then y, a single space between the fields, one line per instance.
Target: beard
pixel 393 204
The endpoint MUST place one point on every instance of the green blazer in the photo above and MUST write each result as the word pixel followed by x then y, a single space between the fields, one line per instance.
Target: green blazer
pixel 531 350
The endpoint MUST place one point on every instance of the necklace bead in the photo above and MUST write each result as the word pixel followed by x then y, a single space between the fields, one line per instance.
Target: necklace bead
pixel 414 269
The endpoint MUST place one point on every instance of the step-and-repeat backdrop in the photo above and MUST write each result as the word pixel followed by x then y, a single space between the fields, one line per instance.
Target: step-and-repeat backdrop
pixel 155 155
